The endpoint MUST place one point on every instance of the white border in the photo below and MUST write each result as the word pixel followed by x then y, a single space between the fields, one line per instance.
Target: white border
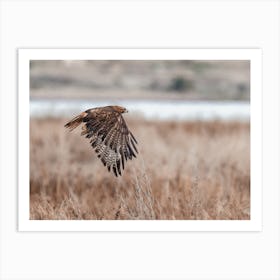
pixel 24 57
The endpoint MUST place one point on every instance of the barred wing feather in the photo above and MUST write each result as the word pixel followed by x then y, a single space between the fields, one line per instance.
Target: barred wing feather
pixel 109 136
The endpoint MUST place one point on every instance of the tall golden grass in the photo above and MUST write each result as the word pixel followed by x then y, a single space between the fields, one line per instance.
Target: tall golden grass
pixel 184 170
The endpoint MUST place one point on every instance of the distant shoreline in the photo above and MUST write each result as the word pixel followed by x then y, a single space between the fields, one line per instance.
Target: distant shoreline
pixel 147 108
pixel 137 98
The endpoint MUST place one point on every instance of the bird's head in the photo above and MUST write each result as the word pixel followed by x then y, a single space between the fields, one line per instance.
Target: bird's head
pixel 120 109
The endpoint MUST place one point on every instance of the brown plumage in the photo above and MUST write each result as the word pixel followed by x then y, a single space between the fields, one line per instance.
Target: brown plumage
pixel 109 135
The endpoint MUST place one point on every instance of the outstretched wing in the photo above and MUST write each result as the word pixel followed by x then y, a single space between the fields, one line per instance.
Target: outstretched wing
pixel 109 136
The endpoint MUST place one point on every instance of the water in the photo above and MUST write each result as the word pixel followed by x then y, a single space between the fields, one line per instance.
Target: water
pixel 150 109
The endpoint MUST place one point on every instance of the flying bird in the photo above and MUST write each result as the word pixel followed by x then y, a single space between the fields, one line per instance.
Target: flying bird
pixel 109 135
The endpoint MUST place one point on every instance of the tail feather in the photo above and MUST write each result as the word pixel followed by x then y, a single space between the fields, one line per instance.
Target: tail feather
pixel 75 121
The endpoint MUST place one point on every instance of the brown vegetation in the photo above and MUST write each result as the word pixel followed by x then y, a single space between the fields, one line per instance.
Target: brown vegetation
pixel 185 170
pixel 138 79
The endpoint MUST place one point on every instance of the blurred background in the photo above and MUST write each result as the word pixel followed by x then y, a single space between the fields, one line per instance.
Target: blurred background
pixel 154 89
pixel 192 123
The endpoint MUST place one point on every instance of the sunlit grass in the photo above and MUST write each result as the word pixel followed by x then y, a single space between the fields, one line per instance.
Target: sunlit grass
pixel 185 170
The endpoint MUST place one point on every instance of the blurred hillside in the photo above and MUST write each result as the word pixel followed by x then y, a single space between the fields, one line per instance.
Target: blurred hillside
pixel 185 79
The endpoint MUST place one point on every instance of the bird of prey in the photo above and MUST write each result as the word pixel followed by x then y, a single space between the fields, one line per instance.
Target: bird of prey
pixel 109 135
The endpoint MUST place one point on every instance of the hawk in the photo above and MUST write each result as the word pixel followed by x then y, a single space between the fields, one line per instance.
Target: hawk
pixel 109 135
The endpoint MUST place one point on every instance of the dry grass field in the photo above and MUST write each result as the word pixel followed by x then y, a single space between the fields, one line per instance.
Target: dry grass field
pixel 184 170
